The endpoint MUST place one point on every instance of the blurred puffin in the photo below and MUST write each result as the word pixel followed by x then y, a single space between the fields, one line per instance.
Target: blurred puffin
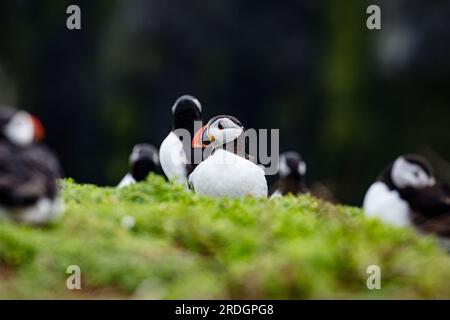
pixel 28 171
pixel 292 170
pixel 172 153
pixel 226 172
pixel 143 160
pixel 407 194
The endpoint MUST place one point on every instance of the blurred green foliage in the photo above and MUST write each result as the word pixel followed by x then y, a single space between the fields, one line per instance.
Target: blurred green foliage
pixel 183 246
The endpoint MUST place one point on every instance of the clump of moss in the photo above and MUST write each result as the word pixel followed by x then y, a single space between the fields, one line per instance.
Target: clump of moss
pixel 185 246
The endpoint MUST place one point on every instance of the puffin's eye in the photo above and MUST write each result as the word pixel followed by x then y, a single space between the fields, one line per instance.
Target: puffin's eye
pixel 220 126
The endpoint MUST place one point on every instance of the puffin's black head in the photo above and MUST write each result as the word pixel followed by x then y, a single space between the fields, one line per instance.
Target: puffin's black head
pixel 219 131
pixel 292 164
pixel 19 127
pixel 411 171
pixel 143 160
pixel 185 111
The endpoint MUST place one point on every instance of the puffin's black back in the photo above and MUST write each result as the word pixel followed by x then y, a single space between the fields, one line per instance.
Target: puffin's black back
pixel 429 201
pixel 184 116
pixel 27 174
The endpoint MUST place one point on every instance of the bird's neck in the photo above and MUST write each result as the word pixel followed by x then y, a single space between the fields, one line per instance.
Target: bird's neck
pixel 188 122
pixel 236 147
pixel 385 177
pixel 141 169
pixel 405 193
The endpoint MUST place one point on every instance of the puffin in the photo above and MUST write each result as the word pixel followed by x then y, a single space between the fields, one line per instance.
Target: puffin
pixel 291 171
pixel 176 148
pixel 143 160
pixel 28 171
pixel 228 171
pixel 407 194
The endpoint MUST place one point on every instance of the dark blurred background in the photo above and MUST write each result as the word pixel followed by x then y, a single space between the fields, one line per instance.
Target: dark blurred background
pixel 349 99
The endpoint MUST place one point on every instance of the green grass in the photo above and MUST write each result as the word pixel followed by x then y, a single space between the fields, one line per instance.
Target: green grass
pixel 186 246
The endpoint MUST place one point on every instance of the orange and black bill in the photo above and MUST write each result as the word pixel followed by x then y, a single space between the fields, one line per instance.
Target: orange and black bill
pixel 201 139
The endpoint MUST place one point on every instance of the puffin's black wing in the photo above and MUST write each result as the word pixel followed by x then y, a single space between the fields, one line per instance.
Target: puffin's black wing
pixel 27 175
pixel 431 202
pixel 439 225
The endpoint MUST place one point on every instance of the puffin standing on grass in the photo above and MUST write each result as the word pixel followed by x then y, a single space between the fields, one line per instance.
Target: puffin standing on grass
pixel 28 171
pixel 186 113
pixel 292 171
pixel 406 194
pixel 143 160
pixel 226 172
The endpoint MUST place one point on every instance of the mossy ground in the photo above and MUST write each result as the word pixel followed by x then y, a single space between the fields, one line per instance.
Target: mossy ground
pixel 183 246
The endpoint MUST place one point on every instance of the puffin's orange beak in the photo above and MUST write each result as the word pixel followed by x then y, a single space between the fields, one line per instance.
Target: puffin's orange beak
pixel 38 129
pixel 201 140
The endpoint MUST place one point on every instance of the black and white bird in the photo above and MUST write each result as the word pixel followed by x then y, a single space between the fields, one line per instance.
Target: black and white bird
pixel 407 194
pixel 226 172
pixel 176 147
pixel 291 171
pixel 28 171
pixel 143 160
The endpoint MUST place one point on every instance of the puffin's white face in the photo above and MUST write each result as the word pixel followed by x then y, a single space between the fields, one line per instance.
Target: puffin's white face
pixel 286 168
pixel 407 174
pixel 222 131
pixel 23 129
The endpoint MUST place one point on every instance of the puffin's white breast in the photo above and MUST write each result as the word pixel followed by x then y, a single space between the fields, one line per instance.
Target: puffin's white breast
pixel 43 211
pixel 173 159
pixel 225 174
pixel 387 205
pixel 276 194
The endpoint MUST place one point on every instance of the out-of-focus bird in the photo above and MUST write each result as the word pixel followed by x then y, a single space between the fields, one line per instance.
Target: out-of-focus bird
pixel 176 148
pixel 407 194
pixel 226 172
pixel 28 171
pixel 143 160
pixel 291 171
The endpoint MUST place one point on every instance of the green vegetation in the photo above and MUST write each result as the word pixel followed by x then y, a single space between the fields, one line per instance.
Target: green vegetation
pixel 186 246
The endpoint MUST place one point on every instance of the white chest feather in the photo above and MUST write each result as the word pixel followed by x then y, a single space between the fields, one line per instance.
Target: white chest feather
pixel 43 211
pixel 387 205
pixel 276 194
pixel 225 174
pixel 173 159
